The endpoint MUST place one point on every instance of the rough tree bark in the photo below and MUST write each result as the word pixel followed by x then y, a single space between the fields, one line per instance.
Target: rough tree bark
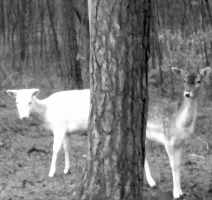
pixel 119 52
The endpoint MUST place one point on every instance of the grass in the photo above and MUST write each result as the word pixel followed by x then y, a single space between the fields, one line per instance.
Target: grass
pixel 24 176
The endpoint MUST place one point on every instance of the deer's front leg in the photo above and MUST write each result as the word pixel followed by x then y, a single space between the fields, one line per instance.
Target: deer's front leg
pixel 174 153
pixel 58 139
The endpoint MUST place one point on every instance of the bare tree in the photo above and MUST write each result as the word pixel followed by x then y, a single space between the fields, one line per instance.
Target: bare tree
pixel 82 27
pixel 2 20
pixel 69 49
pixel 119 48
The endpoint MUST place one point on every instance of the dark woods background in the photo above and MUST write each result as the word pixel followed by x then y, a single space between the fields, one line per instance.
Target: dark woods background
pixel 45 43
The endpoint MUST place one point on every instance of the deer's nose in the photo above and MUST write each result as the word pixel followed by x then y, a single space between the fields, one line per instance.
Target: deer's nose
pixel 188 94
pixel 24 118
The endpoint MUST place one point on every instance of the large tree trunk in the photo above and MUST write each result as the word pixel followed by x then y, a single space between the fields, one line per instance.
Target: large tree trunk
pixel 119 48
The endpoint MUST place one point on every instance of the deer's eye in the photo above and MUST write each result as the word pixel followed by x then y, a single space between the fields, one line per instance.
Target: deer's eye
pixel 198 81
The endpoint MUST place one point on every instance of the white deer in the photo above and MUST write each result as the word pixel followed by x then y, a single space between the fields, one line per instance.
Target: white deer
pixel 62 112
pixel 68 111
pixel 172 127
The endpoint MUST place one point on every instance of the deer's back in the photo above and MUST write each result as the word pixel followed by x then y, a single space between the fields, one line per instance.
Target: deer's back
pixel 69 109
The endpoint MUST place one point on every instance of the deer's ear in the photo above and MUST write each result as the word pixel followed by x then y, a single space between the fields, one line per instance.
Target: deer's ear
pixel 205 72
pixel 12 93
pixel 35 92
pixel 179 72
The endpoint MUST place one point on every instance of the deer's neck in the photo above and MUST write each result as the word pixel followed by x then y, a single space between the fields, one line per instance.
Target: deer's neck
pixel 38 110
pixel 186 115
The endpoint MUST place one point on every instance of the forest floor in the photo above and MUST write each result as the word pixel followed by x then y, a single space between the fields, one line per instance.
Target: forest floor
pixel 25 176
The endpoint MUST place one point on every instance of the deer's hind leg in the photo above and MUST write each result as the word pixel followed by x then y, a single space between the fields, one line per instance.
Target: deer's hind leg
pixel 149 178
pixel 66 150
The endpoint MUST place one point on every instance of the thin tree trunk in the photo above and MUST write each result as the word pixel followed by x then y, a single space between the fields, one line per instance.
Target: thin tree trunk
pixel 83 36
pixel 183 22
pixel 73 77
pixel 2 20
pixel 119 47
pixel 53 30
pixel 22 28
pixel 209 11
pixel 153 37
pixel 193 16
pixel 203 28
